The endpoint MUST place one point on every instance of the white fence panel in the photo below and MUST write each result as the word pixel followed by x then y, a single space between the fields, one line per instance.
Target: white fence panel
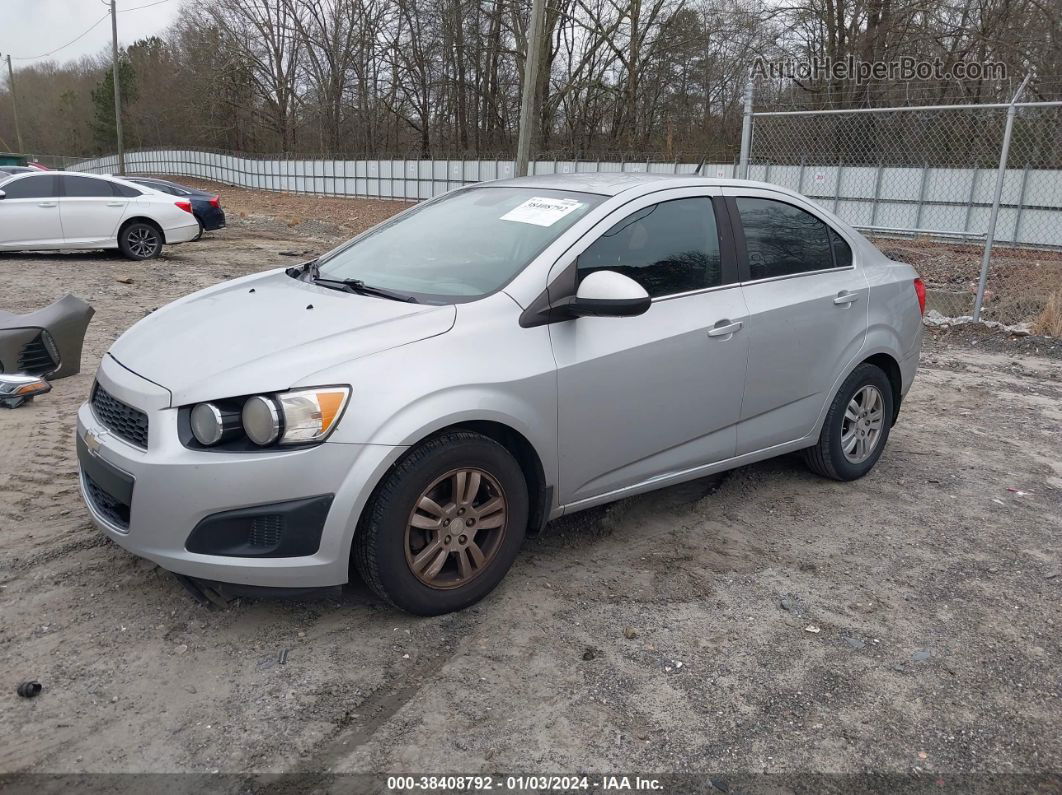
pixel 952 201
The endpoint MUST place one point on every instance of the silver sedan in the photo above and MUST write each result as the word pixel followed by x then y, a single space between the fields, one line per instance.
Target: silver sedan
pixel 410 405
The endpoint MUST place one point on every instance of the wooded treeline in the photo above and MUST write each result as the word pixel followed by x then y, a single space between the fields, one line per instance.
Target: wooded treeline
pixel 422 78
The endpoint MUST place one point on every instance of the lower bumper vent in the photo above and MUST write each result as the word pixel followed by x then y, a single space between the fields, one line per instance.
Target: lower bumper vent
pixel 36 357
pixel 276 530
pixel 112 509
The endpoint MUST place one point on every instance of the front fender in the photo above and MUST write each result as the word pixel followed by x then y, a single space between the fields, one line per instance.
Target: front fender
pixel 485 369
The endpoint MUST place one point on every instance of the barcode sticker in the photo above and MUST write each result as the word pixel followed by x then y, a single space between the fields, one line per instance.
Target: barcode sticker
pixel 542 211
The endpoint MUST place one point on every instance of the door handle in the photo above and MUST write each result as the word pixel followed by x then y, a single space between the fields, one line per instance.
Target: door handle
pixel 845 297
pixel 116 204
pixel 724 330
pixel 47 204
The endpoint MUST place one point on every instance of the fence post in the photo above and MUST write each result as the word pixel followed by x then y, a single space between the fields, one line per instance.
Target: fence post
pixel 996 197
pixel 922 194
pixel 746 132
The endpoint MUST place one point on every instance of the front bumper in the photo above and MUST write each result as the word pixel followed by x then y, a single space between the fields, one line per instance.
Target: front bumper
pixel 172 489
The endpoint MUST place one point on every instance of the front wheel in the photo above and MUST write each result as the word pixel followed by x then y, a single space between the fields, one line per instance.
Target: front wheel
pixel 444 526
pixel 856 426
pixel 140 241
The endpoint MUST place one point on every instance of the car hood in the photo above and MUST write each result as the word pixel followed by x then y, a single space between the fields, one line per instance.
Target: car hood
pixel 266 333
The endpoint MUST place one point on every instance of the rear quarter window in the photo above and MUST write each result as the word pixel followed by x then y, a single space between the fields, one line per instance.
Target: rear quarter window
pixel 125 190
pixel 842 252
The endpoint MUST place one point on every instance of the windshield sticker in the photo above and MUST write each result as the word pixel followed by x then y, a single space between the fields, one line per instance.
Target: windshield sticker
pixel 542 211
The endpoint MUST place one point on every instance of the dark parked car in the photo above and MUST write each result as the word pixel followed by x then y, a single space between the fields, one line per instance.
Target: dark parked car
pixel 206 207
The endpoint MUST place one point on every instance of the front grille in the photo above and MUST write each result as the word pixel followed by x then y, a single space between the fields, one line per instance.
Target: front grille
pixel 35 358
pixel 129 423
pixel 113 510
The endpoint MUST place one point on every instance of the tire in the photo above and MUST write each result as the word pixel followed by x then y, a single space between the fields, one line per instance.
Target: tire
pixel 199 234
pixel 394 530
pixel 828 457
pixel 140 241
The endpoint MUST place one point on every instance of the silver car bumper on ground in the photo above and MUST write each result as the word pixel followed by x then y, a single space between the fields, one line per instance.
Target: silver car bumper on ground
pixel 150 500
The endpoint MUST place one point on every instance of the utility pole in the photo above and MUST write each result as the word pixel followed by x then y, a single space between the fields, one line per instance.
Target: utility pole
pixel 527 101
pixel 117 87
pixel 14 101
pixel 746 130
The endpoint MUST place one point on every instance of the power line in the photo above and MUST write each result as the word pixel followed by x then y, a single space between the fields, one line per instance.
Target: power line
pixel 74 41
pixel 85 32
pixel 148 5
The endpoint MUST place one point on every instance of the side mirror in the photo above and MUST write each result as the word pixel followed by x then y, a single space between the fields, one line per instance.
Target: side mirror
pixel 609 294
pixel 2 194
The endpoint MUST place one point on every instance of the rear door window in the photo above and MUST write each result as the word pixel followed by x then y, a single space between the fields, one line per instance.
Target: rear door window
pixel 86 187
pixel 670 247
pixel 783 240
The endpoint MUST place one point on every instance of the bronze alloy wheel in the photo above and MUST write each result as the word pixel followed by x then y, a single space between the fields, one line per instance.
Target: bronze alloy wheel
pixel 456 528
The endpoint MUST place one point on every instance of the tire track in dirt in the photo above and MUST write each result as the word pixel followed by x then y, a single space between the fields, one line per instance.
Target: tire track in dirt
pixel 357 726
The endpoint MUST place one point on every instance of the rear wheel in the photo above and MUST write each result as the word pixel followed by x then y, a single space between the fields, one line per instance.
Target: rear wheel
pixel 444 526
pixel 140 241
pixel 856 426
pixel 199 234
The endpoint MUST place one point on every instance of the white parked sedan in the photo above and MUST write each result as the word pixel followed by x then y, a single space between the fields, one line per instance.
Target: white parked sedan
pixel 54 210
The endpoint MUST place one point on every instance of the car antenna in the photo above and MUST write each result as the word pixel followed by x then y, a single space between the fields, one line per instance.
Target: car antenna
pixel 697 171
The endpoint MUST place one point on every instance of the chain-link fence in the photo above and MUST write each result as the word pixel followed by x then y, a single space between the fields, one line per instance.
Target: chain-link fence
pixel 930 184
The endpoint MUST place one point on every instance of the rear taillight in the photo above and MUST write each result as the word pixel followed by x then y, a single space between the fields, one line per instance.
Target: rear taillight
pixel 186 206
pixel 216 202
pixel 920 291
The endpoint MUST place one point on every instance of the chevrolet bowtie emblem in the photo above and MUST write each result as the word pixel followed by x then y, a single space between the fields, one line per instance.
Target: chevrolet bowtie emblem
pixel 92 443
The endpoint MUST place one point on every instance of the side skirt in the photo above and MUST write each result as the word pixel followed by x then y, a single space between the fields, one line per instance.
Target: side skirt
pixel 670 479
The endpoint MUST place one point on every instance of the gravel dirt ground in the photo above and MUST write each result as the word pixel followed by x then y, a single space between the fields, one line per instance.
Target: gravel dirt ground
pixel 768 620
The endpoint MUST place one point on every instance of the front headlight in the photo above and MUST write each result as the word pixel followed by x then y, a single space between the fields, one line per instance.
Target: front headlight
pixel 212 424
pixel 309 415
pixel 261 420
pixel 301 416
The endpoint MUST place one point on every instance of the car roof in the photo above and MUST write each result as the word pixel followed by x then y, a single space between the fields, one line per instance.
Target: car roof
pixel 614 183
pixel 102 177
pixel 52 173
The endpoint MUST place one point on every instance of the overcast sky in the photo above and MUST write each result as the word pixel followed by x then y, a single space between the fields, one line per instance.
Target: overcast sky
pixel 32 27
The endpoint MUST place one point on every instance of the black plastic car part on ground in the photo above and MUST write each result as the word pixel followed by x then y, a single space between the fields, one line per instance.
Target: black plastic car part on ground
pixel 45 343
pixel 206 207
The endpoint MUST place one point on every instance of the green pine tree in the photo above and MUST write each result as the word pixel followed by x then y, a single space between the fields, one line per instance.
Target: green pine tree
pixel 104 133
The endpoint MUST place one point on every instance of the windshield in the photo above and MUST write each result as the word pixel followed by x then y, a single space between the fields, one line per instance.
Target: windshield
pixel 462 246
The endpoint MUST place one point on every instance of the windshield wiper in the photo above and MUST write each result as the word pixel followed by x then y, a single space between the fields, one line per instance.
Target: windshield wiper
pixel 311 272
pixel 361 288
